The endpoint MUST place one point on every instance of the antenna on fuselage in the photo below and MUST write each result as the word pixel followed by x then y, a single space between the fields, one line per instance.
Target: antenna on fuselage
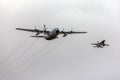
pixel 44 28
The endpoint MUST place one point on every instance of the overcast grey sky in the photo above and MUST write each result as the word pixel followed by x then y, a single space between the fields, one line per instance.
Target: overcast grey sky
pixel 69 58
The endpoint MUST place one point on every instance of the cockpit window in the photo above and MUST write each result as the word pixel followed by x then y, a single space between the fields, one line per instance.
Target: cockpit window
pixel 57 31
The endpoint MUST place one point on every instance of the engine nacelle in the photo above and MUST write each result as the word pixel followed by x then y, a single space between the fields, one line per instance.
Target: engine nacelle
pixel 64 35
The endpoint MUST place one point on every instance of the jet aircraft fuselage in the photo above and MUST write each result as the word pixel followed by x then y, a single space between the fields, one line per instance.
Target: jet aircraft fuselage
pixel 100 44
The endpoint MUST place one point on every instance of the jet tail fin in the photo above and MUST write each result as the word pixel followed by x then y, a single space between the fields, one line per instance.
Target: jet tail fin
pixel 103 42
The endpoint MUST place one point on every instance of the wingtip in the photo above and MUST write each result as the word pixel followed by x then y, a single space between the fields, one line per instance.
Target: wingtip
pixel 84 32
pixel 17 28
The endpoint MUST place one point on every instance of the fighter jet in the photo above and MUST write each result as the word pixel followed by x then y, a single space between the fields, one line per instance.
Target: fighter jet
pixel 100 44
pixel 49 35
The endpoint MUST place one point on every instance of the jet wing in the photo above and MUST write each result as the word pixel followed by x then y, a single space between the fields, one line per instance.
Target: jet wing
pixel 32 30
pixel 94 43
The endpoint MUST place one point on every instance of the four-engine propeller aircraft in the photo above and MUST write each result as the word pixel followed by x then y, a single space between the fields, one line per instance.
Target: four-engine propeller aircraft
pixel 100 44
pixel 49 35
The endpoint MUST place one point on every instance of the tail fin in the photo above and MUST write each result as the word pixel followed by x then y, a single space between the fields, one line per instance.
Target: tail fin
pixel 103 42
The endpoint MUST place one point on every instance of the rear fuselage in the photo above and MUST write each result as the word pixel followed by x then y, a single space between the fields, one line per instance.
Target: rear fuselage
pixel 100 45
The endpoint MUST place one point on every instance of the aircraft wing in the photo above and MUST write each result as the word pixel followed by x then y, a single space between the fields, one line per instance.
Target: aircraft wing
pixel 94 44
pixel 71 32
pixel 32 30
pixel 38 36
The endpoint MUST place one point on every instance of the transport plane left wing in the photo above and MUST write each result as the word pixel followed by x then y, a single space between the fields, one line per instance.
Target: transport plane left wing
pixel 50 35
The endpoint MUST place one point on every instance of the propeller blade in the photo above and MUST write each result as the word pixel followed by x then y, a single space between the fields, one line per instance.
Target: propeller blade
pixel 44 26
pixel 35 28
pixel 37 33
pixel 71 30
pixel 64 33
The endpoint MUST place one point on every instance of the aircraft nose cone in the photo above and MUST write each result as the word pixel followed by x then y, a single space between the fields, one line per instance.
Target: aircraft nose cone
pixel 57 31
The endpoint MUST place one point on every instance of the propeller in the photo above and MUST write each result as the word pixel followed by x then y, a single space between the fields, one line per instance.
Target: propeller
pixel 71 30
pixel 35 28
pixel 64 33
pixel 62 30
pixel 44 29
pixel 37 31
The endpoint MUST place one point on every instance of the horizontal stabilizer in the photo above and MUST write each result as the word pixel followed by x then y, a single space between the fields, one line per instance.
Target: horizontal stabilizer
pixel 106 44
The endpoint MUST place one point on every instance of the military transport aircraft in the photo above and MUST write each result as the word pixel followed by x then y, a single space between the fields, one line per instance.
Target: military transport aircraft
pixel 100 44
pixel 49 35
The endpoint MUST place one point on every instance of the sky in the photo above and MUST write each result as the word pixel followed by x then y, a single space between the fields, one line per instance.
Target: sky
pixel 69 58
